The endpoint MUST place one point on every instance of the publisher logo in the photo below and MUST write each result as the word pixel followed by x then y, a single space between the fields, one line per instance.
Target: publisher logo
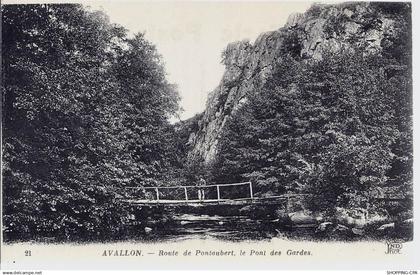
pixel 393 248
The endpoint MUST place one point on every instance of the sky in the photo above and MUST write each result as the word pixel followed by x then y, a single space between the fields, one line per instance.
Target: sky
pixel 191 36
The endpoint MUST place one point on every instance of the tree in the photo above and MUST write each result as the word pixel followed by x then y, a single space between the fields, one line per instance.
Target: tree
pixel 84 109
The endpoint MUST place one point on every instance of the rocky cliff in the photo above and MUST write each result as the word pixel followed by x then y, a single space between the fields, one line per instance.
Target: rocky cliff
pixel 304 36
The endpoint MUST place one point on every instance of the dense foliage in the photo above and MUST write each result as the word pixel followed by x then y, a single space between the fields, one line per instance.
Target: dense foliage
pixel 337 127
pixel 85 111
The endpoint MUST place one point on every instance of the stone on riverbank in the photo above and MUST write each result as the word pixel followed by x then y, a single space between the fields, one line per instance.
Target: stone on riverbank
pixel 358 231
pixel 341 228
pixel 385 227
pixel 356 217
pixel 323 227
pixel 378 217
pixel 148 229
pixel 302 218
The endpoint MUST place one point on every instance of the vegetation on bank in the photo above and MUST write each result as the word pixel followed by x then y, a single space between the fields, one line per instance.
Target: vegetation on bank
pixel 337 127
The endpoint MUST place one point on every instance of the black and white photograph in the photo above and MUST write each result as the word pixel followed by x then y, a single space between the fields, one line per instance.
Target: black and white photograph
pixel 239 123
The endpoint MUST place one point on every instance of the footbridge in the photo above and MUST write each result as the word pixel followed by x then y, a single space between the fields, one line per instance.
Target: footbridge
pixel 241 193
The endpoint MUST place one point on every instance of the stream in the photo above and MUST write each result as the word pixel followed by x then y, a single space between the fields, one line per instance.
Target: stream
pixel 228 228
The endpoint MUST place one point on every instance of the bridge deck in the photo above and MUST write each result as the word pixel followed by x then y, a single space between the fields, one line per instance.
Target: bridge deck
pixel 187 195
pixel 241 201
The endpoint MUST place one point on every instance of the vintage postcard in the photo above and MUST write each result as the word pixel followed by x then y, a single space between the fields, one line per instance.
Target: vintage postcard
pixel 207 135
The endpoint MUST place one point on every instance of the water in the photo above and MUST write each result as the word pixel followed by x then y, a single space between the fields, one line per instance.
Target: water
pixel 200 226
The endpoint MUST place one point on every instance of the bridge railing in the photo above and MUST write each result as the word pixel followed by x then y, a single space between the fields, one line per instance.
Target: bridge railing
pixel 213 192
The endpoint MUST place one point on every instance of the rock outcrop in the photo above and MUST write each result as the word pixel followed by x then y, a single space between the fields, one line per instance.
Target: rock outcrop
pixel 304 36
